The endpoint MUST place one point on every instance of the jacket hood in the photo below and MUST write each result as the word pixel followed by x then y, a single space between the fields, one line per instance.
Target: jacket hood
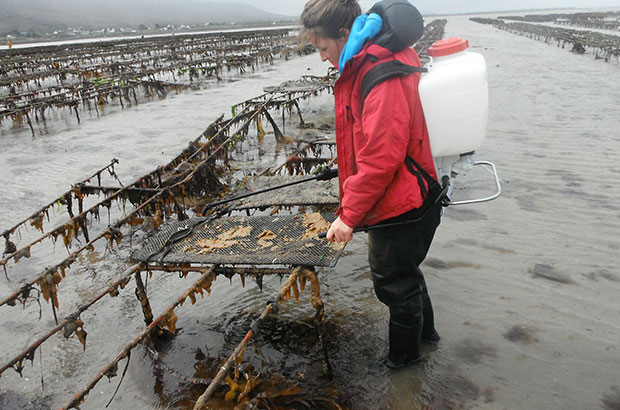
pixel 402 26
pixel 365 27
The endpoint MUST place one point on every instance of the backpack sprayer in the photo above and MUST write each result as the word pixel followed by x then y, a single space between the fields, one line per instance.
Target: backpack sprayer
pixel 455 99
pixel 454 94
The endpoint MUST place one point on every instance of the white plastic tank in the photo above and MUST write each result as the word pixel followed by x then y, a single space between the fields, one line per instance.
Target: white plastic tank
pixel 455 98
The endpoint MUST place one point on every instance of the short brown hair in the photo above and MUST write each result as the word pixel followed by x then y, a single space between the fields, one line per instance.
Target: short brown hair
pixel 328 18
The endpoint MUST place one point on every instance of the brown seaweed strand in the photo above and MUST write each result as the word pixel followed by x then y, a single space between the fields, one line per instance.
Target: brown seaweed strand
pixel 51 204
pixel 129 216
pixel 79 397
pixel 109 290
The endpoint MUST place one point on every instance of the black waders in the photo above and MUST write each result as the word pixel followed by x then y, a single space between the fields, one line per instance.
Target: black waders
pixel 394 255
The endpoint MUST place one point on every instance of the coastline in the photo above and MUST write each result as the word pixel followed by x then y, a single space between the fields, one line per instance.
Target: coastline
pixel 223 28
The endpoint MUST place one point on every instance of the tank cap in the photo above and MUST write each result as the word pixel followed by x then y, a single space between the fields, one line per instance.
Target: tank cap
pixel 447 46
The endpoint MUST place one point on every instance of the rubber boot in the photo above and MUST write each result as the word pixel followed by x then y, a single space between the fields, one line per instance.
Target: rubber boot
pixel 404 345
pixel 429 334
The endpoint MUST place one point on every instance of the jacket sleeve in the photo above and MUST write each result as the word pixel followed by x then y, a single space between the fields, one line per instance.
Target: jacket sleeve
pixel 381 151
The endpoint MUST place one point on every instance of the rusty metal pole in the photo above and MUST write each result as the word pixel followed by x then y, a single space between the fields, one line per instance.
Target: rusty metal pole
pixel 221 374
pixel 109 290
pixel 80 397
pixel 319 325
pixel 282 295
pixel 143 298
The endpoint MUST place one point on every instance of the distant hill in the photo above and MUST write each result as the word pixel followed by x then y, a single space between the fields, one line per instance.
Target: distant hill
pixel 47 15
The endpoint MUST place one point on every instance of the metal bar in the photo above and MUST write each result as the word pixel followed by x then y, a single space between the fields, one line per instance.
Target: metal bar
pixel 112 288
pixel 81 395
pixel 301 273
pixel 498 185
pixel 121 222
pixel 112 197
pixel 319 324
pixel 319 318
pixel 67 261
pixel 219 270
pixel 51 204
pixel 276 130
pixel 221 146
pixel 221 374
pixel 91 189
pixel 143 298
pixel 285 97
pixel 250 271
pixel 235 53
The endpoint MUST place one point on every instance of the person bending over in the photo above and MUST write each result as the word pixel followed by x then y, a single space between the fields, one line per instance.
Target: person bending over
pixel 385 167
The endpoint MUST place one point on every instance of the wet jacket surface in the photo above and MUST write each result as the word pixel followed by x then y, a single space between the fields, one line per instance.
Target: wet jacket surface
pixel 373 140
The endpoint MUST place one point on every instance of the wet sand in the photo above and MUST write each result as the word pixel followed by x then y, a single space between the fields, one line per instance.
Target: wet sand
pixel 525 287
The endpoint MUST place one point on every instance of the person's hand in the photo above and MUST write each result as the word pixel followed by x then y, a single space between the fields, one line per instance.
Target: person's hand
pixel 339 232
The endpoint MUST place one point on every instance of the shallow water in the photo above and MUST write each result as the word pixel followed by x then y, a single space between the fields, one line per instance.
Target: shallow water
pixel 525 287
pixel 135 37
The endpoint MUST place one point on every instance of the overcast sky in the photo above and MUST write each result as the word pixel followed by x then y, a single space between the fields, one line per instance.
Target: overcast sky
pixel 294 7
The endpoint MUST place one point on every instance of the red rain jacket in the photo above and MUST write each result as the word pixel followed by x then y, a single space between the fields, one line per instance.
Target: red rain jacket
pixel 375 184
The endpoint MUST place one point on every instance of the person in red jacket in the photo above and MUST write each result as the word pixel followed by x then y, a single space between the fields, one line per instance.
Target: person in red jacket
pixel 385 167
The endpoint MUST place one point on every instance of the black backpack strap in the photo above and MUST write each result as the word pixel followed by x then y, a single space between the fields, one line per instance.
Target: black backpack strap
pixel 377 75
pixel 418 172
pixel 421 174
pixel 384 71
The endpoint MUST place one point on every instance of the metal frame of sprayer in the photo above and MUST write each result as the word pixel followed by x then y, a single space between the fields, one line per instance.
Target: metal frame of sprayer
pixel 448 168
